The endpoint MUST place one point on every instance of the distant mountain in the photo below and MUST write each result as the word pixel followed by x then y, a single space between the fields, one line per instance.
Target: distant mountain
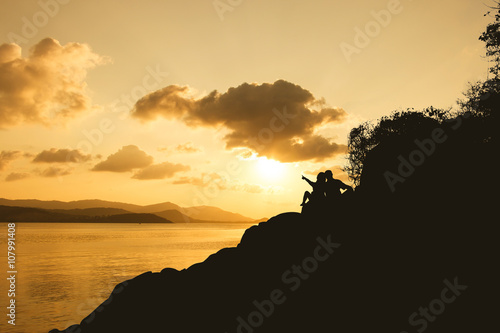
pixel 158 208
pixel 215 214
pixel 101 207
pixel 177 217
pixel 26 214
pixel 132 218
pixel 80 204
pixel 92 211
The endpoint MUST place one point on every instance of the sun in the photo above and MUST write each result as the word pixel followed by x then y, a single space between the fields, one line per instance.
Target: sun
pixel 270 169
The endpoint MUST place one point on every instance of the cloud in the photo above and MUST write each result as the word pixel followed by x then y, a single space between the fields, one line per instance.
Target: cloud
pixel 278 120
pixel 187 147
pixel 160 171
pixel 13 176
pixel 126 159
pixel 47 86
pixel 171 102
pixel 61 156
pixel 256 188
pixel 221 183
pixel 7 156
pixel 196 181
pixel 205 180
pixel 55 172
pixel 337 172
pixel 250 188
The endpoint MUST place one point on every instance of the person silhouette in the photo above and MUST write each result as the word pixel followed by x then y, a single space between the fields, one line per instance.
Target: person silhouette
pixel 318 193
pixel 333 187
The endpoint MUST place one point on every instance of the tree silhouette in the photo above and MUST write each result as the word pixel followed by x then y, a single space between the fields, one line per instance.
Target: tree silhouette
pixel 482 98
pixel 482 101
pixel 492 39
pixel 367 136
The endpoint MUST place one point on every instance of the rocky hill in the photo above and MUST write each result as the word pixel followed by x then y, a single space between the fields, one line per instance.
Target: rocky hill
pixel 306 273
pixel 419 258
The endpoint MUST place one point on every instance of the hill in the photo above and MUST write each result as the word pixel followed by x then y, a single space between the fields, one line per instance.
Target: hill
pixel 79 204
pixel 158 208
pixel 416 258
pixel 177 217
pixel 23 214
pixel 26 214
pixel 91 211
pixel 90 207
pixel 306 273
pixel 214 214
pixel 132 218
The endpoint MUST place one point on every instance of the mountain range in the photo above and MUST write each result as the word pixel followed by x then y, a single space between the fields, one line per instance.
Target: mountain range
pixel 109 211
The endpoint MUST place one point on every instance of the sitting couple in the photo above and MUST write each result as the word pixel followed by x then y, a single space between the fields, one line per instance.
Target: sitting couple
pixel 326 189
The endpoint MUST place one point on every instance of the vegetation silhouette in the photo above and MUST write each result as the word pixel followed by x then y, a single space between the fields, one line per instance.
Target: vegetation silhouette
pixel 413 248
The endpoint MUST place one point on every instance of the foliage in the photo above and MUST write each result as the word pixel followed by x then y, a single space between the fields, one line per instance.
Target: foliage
pixel 481 98
pixel 482 101
pixel 492 39
pixel 367 136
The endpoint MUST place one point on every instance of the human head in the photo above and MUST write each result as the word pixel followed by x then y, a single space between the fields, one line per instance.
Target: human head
pixel 328 174
pixel 321 177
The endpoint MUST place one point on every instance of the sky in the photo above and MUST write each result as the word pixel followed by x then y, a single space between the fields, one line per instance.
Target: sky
pixel 223 103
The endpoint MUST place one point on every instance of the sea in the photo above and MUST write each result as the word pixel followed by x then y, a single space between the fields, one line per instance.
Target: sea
pixel 63 271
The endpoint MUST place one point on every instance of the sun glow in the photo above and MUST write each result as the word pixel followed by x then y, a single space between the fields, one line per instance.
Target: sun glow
pixel 270 169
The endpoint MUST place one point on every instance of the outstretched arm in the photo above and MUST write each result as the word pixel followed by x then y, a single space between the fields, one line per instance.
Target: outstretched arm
pixel 307 180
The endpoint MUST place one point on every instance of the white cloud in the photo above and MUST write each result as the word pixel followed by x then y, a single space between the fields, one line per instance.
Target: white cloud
pixel 46 87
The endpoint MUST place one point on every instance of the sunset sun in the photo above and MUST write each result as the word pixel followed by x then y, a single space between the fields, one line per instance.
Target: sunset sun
pixel 270 169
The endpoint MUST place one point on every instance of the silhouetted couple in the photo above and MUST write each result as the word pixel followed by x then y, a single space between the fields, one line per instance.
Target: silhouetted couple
pixel 326 189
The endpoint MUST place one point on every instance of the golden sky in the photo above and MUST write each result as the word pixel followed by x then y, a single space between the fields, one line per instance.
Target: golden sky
pixel 222 103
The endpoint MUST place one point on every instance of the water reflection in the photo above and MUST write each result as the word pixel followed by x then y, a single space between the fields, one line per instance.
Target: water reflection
pixel 66 270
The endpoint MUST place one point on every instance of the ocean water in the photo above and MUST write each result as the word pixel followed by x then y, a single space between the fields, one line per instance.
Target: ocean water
pixel 65 270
